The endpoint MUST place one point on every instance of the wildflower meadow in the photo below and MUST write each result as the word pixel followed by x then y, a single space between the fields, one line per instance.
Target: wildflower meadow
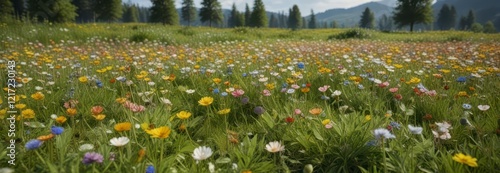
pixel 121 98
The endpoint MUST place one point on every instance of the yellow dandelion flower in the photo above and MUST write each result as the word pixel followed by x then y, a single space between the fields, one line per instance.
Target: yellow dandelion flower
pixel 61 119
pixel 38 96
pixel 83 79
pixel 224 111
pixel 28 114
pixel 99 117
pixel 160 132
pixel 465 159
pixel 205 101
pixel 183 115
pixel 20 106
pixel 125 126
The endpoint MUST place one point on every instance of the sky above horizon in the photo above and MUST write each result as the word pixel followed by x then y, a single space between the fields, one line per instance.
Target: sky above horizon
pixel 280 5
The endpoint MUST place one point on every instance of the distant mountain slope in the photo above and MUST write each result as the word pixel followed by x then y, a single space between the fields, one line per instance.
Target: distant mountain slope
pixel 350 17
pixel 485 10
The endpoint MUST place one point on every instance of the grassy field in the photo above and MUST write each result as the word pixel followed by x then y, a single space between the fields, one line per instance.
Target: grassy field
pixel 152 98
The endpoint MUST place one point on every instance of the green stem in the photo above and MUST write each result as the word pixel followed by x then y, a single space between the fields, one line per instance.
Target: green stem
pixel 384 157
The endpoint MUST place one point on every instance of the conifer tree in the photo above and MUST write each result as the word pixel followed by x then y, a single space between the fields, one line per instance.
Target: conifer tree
pixel 108 10
pixel 131 14
pixel 312 21
pixel 411 12
pixel 367 19
pixel 188 11
pixel 258 17
pixel 211 11
pixel 163 11
pixel 57 11
pixel 294 18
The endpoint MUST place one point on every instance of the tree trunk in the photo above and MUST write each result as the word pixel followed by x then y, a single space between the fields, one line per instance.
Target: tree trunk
pixel 411 27
pixel 210 23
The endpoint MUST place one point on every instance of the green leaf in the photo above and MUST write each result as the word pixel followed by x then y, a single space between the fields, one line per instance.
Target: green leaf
pixel 268 119
pixel 223 160
pixel 317 135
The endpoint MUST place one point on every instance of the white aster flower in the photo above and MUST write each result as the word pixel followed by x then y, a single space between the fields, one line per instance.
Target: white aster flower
pixel 382 133
pixel 274 147
pixel 415 130
pixel 202 153
pixel 120 141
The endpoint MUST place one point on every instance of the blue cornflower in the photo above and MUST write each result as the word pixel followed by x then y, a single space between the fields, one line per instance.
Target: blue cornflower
pixel 371 143
pixel 150 169
pixel 395 125
pixel 56 130
pixel 346 82
pixel 466 106
pixel 98 83
pixel 33 144
pixel 244 100
pixel 461 79
pixel 259 110
pixel 223 94
pixel 244 74
pixel 215 91
pixel 300 65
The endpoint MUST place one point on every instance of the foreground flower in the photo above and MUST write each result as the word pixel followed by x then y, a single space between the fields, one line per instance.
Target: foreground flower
pixel 183 115
pixel 46 137
pixel 315 111
pixel 61 119
pixel 205 101
pixel 259 110
pixel 92 157
pixel 38 96
pixel 56 130
pixel 28 114
pixel 465 159
pixel 33 144
pixel 96 110
pixel 202 153
pixel 120 141
pixel 483 107
pixel 120 127
pixel 415 130
pixel 224 111
pixel 382 133
pixel 160 132
pixel 274 147
pixel 150 169
pixel 86 147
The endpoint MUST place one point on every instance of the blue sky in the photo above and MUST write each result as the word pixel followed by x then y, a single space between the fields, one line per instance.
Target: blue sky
pixel 280 5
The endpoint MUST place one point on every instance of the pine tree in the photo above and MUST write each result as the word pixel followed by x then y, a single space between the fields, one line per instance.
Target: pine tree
pixel 211 11
pixel 6 10
pixel 443 17
pixel 188 11
pixel 248 15
pixel 463 23
pixel 258 17
pixel 385 23
pixel 471 19
pixel 163 11
pixel 57 11
pixel 312 21
pixel 453 18
pixel 294 18
pixel 108 10
pixel 489 27
pixel 367 19
pixel 274 22
pixel 411 12
pixel 334 24
pixel 234 17
pixel 131 14
pixel 84 10
pixel 304 23
pixel 19 6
